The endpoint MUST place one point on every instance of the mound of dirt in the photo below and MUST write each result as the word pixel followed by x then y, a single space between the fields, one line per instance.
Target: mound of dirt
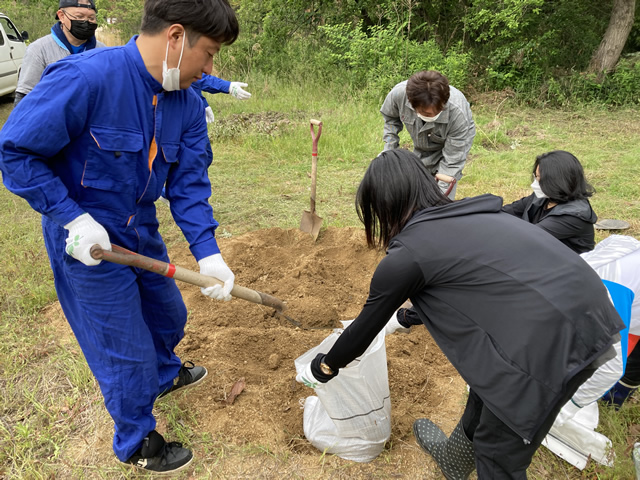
pixel 322 283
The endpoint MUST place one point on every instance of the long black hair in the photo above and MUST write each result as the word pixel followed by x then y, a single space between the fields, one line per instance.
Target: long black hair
pixel 562 177
pixel 394 187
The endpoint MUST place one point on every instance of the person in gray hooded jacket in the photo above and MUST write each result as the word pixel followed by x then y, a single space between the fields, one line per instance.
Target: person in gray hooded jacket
pixel 524 331
pixel 559 203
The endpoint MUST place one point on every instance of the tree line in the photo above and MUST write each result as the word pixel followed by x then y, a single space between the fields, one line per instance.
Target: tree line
pixel 544 51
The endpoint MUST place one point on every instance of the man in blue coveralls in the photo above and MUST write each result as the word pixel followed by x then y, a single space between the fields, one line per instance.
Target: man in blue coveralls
pixel 90 149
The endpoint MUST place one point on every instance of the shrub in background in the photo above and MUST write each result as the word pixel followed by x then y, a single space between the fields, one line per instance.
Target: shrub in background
pixel 533 48
pixel 36 17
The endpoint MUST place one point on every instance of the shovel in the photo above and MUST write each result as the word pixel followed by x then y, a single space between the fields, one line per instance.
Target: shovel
pixel 448 179
pixel 123 256
pixel 310 222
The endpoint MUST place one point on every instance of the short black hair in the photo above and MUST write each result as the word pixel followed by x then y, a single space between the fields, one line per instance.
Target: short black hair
pixel 395 186
pixel 214 19
pixel 428 88
pixel 562 177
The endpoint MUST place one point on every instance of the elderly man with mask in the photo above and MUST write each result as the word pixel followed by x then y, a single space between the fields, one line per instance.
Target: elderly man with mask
pixel 74 33
pixel 439 120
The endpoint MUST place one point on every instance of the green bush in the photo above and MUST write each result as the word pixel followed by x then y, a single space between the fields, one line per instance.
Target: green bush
pixel 381 57
pixel 536 49
pixel 371 60
pixel 36 18
pixel 126 13
pixel 620 87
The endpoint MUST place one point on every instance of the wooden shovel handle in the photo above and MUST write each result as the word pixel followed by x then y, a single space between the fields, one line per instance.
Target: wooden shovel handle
pixel 450 187
pixel 122 256
pixel 314 161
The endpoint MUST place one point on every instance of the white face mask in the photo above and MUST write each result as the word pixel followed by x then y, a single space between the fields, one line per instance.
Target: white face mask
pixel 171 76
pixel 535 186
pixel 428 119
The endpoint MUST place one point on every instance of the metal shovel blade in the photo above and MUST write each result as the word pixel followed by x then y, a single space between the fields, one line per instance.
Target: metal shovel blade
pixel 311 223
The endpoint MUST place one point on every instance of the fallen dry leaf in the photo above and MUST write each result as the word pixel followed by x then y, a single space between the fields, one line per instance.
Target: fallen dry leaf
pixel 236 390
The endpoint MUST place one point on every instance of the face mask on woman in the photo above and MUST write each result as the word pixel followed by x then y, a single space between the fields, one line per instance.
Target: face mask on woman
pixel 428 119
pixel 535 186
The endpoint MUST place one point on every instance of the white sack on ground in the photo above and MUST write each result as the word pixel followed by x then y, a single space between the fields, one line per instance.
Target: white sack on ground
pixel 351 415
pixel 576 440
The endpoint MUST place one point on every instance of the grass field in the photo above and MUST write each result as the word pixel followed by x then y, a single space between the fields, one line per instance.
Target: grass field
pixel 260 179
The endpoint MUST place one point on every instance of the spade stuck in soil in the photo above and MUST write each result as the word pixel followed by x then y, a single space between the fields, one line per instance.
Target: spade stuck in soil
pixel 310 222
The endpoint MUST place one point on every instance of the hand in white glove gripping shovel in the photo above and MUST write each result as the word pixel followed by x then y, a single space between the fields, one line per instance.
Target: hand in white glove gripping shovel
pixel 84 232
pixel 214 266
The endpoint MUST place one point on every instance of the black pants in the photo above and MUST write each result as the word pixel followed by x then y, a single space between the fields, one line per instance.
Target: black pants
pixel 632 370
pixel 500 452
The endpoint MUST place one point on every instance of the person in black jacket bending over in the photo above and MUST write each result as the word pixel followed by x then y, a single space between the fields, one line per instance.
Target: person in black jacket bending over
pixel 524 331
pixel 559 203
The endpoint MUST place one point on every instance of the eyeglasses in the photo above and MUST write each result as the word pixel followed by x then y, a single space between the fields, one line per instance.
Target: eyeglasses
pixel 91 18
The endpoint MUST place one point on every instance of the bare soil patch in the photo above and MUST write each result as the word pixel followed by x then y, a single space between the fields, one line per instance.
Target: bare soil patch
pixel 322 283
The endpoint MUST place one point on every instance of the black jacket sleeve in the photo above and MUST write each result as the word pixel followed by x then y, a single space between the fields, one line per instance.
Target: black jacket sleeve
pixel 396 279
pixel 518 207
pixel 562 226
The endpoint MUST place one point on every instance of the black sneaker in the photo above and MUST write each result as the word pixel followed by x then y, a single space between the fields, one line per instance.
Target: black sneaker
pixel 188 376
pixel 158 456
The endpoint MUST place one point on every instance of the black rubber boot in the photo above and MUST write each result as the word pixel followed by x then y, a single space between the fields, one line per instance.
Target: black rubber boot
pixel 454 455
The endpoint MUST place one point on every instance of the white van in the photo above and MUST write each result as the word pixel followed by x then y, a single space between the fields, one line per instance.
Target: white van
pixel 12 49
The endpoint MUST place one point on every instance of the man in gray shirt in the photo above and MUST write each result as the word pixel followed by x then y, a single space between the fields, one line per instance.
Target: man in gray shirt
pixel 74 33
pixel 439 120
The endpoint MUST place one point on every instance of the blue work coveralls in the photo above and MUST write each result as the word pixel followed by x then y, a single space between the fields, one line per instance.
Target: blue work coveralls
pixel 98 134
pixel 210 84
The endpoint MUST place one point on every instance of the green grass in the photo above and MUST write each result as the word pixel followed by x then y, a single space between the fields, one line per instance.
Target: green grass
pixel 260 179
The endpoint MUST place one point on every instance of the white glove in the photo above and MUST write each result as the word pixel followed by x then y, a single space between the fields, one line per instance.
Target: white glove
pixel 214 266
pixel 393 325
pixel 84 233
pixel 569 411
pixel 235 89
pixel 307 379
pixel 208 115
